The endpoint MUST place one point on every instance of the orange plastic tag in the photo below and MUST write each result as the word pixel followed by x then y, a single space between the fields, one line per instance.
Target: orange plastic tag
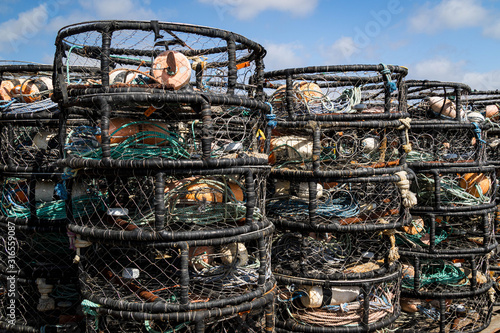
pixel 243 65
pixel 149 111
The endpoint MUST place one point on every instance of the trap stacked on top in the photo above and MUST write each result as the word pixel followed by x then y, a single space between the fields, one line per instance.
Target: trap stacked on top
pixel 134 56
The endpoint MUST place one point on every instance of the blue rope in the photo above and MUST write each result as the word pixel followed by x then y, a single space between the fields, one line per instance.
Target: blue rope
pixel 389 83
pixel 477 130
pixel 271 117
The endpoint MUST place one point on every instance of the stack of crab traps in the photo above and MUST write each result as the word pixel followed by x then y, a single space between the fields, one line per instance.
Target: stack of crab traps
pixel 37 274
pixel 338 190
pixel 446 285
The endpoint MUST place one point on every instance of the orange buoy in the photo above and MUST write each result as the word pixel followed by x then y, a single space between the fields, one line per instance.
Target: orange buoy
pixel 410 305
pixel 7 89
pixel 308 91
pixel 415 227
pixel 492 112
pixel 124 130
pixel 172 68
pixel 448 110
pixel 201 191
pixel 199 255
pixel 470 180
pixel 30 88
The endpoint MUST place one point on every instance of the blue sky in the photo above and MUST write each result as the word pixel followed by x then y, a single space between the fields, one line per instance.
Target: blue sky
pixel 449 40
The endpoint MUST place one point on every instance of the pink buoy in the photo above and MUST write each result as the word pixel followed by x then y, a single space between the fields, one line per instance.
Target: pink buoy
pixel 172 69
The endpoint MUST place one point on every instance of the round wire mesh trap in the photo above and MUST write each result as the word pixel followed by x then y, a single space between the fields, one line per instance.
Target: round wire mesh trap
pixel 454 189
pixel 169 205
pixel 346 92
pixel 329 148
pixel 159 55
pixel 249 317
pixel 29 120
pixel 24 309
pixel 184 131
pixel 309 305
pixel 465 314
pixel 175 277
pixel 448 233
pixel 36 252
pixel 39 200
pixel 333 256
pixel 436 100
pixel 298 200
pixel 487 104
pixel 444 275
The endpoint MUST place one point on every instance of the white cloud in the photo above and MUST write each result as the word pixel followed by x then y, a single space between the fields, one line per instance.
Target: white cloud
pixel 492 29
pixel 245 9
pixel 341 51
pixel 443 69
pixel 286 55
pixel 449 14
pixel 24 28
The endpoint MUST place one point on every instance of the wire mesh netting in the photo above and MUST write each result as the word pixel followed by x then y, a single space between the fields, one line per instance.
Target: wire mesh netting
pixel 40 305
pixel 434 100
pixel 350 203
pixel 187 201
pixel 444 275
pixel 470 314
pixel 165 56
pixel 333 256
pixel 305 305
pixel 464 232
pixel 336 91
pixel 172 138
pixel 176 277
pixel 340 145
pixel 454 189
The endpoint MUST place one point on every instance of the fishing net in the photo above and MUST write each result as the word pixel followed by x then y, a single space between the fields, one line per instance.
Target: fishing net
pixel 157 55
pixel 305 305
pixel 329 92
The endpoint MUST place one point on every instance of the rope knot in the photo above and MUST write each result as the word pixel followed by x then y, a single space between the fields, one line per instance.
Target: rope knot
pixel 409 198
pixel 391 86
pixel 477 130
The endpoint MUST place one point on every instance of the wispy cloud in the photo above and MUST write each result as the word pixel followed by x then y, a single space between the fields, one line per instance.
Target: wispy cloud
pixel 245 9
pixel 285 55
pixel 448 14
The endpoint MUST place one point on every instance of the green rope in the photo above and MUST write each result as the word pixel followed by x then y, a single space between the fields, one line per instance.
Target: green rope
pixel 148 327
pixel 88 308
pixel 440 273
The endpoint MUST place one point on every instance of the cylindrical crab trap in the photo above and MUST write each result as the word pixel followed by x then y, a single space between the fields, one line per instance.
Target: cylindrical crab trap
pixel 191 282
pixel 454 189
pixel 29 120
pixel 158 55
pixel 313 305
pixel 298 200
pixel 41 305
pixel 339 148
pixel 249 317
pixel 346 92
pixel 184 131
pixel 487 103
pixel 169 204
pixel 333 256
pixel 444 275
pixel 444 131
pixel 463 314
pixel 449 232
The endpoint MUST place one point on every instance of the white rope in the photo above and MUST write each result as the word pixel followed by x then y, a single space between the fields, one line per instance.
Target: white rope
pixel 409 198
